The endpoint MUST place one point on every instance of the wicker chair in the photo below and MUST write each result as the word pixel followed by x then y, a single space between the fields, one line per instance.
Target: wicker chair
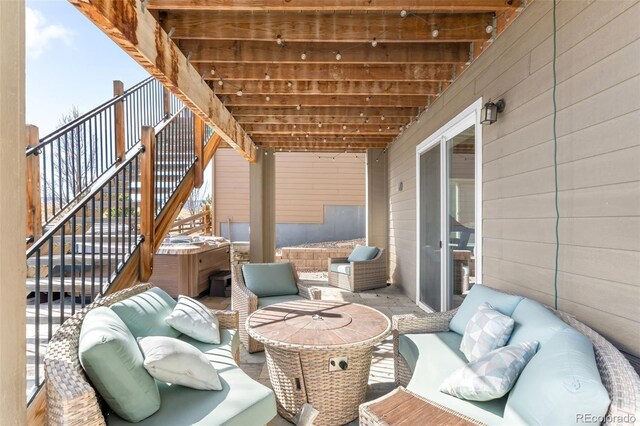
pixel 617 374
pixel 363 275
pixel 245 302
pixel 71 399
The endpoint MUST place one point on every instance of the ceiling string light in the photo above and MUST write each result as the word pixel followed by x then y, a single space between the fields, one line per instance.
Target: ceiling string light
pixel 374 42
pixel 435 32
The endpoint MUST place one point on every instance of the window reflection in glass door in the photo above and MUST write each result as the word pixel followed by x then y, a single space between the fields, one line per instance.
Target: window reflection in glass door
pixel 461 194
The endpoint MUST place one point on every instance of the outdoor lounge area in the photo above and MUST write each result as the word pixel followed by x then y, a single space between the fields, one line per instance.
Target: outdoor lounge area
pixel 481 267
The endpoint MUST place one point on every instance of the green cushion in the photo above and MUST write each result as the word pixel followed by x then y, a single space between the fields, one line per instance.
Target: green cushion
pixel 560 385
pixel 361 253
pixel 144 313
pixel 433 356
pixel 272 300
pixel 534 322
pixel 502 302
pixel 112 360
pixel 242 401
pixel 341 268
pixel 269 279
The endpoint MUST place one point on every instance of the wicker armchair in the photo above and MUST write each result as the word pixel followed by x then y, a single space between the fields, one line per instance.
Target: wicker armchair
pixel 71 399
pixel 245 302
pixel 618 376
pixel 363 275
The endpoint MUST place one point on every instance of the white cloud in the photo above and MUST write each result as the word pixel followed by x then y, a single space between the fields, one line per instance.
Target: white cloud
pixel 39 34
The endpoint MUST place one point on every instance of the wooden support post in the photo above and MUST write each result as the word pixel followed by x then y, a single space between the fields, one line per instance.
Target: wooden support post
pixel 166 99
pixel 198 127
pixel 147 203
pixel 34 202
pixel 118 90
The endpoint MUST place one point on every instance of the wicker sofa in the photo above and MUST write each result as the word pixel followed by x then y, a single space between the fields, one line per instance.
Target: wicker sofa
pixel 72 400
pixel 358 275
pixel 246 302
pixel 426 350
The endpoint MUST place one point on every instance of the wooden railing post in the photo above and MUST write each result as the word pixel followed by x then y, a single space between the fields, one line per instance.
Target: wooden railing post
pixel 198 128
pixel 34 201
pixel 166 100
pixel 147 203
pixel 118 90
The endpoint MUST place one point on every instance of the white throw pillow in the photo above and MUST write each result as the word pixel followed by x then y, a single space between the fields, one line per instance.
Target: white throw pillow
pixel 492 375
pixel 173 361
pixel 192 318
pixel 487 330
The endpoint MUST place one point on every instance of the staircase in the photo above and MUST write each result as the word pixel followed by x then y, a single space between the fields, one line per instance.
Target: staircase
pixel 89 237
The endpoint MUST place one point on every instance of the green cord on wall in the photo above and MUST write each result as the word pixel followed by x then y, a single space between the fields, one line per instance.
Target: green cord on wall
pixel 555 159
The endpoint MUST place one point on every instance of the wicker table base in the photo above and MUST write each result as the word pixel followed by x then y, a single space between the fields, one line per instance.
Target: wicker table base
pixel 319 352
pixel 336 395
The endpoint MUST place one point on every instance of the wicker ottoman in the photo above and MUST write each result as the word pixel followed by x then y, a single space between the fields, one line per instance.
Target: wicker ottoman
pixel 319 352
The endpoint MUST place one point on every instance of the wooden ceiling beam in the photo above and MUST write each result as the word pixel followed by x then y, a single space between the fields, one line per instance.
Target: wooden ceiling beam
pixel 137 32
pixel 326 27
pixel 312 119
pixel 330 88
pixel 312 5
pixel 223 51
pixel 326 101
pixel 325 129
pixel 328 72
pixel 345 140
pixel 334 110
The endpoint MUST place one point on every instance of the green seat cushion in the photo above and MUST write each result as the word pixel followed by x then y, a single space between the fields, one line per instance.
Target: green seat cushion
pixel 434 356
pixel 269 279
pixel 242 401
pixel 341 268
pixel 479 294
pixel 272 300
pixel 110 356
pixel 560 385
pixel 144 313
pixel 534 322
pixel 361 253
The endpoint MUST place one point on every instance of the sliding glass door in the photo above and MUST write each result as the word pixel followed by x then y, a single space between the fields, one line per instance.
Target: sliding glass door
pixel 449 210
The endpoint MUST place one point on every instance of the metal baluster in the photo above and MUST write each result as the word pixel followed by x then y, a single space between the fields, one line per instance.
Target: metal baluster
pixel 43 161
pixel 83 264
pixel 93 248
pixel 50 291
pixel 101 241
pixel 63 254
pixel 74 251
pixel 116 214
pixel 109 212
pixel 36 304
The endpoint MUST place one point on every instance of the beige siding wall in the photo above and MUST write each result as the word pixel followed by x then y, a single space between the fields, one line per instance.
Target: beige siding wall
pixel 599 164
pixel 230 187
pixel 304 185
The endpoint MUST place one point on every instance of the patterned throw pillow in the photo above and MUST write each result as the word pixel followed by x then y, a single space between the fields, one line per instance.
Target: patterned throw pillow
pixel 491 376
pixel 487 330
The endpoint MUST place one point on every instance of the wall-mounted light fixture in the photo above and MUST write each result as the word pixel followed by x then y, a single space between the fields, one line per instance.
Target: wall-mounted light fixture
pixel 491 110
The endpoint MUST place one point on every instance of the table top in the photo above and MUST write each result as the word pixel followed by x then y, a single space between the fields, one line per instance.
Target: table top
pixel 316 324
pixel 401 407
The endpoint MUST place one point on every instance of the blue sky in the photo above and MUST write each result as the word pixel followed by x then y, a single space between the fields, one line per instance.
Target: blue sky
pixel 69 62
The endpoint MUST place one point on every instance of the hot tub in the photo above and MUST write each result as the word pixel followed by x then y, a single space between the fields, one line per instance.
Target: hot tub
pixel 183 265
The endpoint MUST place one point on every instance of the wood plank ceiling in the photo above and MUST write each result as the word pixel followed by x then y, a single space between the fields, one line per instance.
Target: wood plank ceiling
pixel 332 75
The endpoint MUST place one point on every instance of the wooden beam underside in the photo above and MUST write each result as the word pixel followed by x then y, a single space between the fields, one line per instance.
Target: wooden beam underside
pixel 362 5
pixel 135 30
pixel 224 51
pixel 360 67
pixel 314 27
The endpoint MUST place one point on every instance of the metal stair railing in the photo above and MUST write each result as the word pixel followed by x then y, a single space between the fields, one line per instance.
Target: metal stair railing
pixel 78 154
pixel 91 242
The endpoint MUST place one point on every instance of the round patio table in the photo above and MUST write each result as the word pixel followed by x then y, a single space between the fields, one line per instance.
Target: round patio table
pixel 319 352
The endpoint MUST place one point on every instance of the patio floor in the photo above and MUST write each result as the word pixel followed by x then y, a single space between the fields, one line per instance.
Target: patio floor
pixel 390 301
